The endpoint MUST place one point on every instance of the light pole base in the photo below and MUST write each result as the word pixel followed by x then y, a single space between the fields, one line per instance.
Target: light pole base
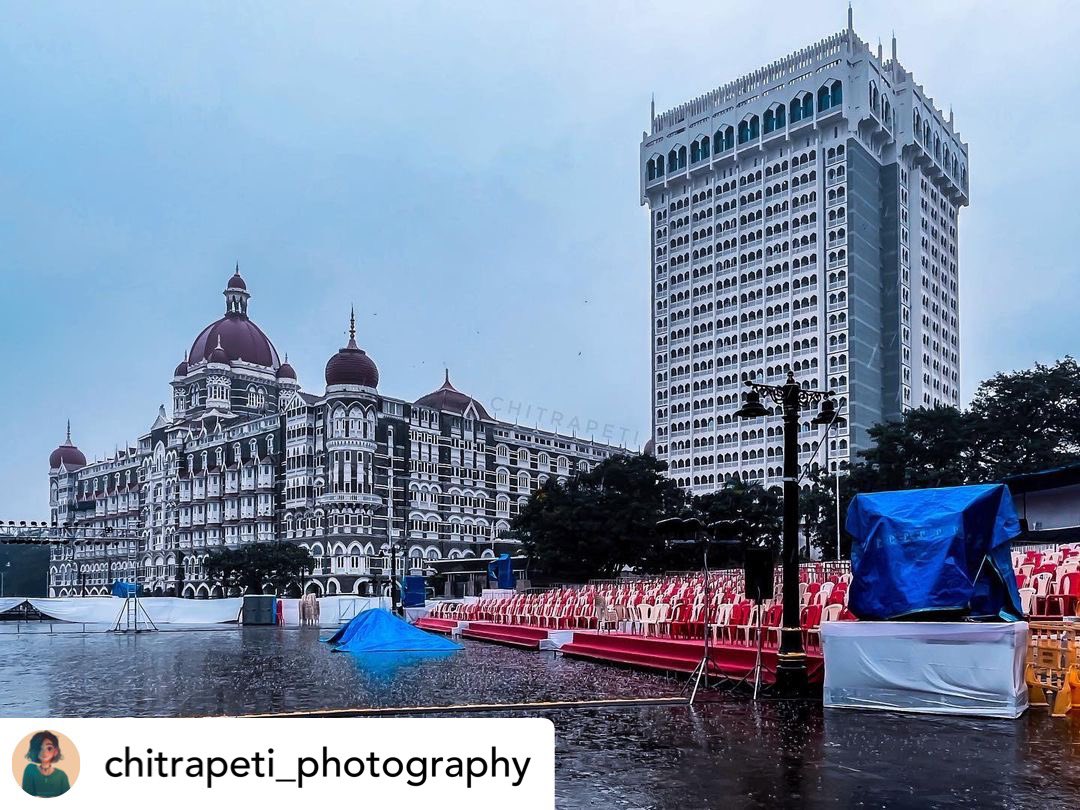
pixel 792 680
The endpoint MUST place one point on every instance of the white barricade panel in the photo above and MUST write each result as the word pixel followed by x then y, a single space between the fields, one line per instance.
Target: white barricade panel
pixel 933 667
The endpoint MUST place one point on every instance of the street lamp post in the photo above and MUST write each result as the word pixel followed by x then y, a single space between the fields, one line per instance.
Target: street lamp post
pixel 3 573
pixel 791 676
pixel 829 417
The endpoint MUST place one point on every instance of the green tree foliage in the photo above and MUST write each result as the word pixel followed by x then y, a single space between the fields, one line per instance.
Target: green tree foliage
pixel 597 523
pixel 927 447
pixel 251 567
pixel 758 512
pixel 1026 421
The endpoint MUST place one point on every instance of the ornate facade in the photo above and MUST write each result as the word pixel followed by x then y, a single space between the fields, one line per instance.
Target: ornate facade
pixel 248 456
pixel 803 217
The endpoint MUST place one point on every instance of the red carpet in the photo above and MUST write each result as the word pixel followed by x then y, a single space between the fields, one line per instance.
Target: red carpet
pixel 674 655
pixel 516 635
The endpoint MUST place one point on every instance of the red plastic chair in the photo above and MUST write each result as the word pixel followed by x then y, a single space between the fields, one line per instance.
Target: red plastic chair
pixel 811 624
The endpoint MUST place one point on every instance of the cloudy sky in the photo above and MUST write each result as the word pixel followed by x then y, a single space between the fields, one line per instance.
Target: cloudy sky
pixel 465 173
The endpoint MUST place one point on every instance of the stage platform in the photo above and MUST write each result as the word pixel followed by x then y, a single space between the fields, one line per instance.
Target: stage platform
pixel 682 655
pixel 663 654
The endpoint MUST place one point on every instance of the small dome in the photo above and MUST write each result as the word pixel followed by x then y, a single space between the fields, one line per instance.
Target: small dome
pixel 237 281
pixel 285 371
pixel 218 354
pixel 67 454
pixel 448 398
pixel 650 448
pixel 351 365
pixel 181 369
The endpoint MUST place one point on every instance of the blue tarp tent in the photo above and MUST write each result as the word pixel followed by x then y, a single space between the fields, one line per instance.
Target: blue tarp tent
pixel 379 630
pixel 412 591
pixel 502 571
pixel 125 589
pixel 935 552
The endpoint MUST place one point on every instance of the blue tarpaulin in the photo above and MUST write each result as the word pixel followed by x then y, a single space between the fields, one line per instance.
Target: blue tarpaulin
pixel 934 552
pixel 379 630
pixel 502 571
pixel 126 589
pixel 412 591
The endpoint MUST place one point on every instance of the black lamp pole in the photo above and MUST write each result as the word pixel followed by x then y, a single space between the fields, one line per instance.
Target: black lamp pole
pixel 791 675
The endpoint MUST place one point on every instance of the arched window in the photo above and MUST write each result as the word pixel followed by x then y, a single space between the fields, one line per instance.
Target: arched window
pixel 823 99
pixel 836 94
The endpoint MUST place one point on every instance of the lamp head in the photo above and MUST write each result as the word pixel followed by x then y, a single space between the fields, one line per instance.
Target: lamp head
pixel 752 407
pixel 827 413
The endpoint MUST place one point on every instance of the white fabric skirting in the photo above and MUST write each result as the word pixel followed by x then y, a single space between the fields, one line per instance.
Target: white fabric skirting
pixel 160 609
pixel 10 603
pixel 335 611
pixel 931 667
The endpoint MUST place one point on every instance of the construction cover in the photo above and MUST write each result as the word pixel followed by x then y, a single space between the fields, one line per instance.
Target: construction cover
pixel 934 553
pixel 379 630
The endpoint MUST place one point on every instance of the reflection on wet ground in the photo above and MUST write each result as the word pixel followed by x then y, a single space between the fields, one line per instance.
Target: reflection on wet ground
pixel 726 754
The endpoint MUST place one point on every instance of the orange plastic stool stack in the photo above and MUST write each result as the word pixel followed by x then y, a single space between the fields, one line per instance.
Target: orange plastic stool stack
pixel 1053 666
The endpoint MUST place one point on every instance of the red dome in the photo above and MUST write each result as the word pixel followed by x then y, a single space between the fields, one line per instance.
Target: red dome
pixel 352 366
pixel 448 398
pixel 181 369
pixel 240 339
pixel 67 453
pixel 285 371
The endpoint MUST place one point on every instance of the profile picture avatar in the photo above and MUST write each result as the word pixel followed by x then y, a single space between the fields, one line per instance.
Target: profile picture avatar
pixel 46 764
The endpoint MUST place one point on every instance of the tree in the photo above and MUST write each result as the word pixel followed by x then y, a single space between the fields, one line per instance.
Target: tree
pixel 926 447
pixel 252 567
pixel 1026 421
pixel 602 521
pixel 759 512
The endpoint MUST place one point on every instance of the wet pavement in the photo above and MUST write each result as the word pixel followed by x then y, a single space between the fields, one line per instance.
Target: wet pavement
pixel 731 753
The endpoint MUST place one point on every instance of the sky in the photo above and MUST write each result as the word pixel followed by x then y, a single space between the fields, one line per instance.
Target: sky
pixel 464 173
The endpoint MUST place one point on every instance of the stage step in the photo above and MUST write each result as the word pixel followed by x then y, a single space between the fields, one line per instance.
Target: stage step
pixel 434 625
pixel 528 638
pixel 652 653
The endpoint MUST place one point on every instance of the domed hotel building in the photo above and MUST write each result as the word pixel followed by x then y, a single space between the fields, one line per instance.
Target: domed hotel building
pixel 248 456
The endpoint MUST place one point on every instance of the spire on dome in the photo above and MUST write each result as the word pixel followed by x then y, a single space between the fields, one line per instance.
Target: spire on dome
pixel 236 294
pixel 446 381
pixel 351 365
pixel 67 440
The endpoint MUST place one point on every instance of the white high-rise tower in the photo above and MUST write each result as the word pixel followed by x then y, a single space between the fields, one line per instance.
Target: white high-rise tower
pixel 802 217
